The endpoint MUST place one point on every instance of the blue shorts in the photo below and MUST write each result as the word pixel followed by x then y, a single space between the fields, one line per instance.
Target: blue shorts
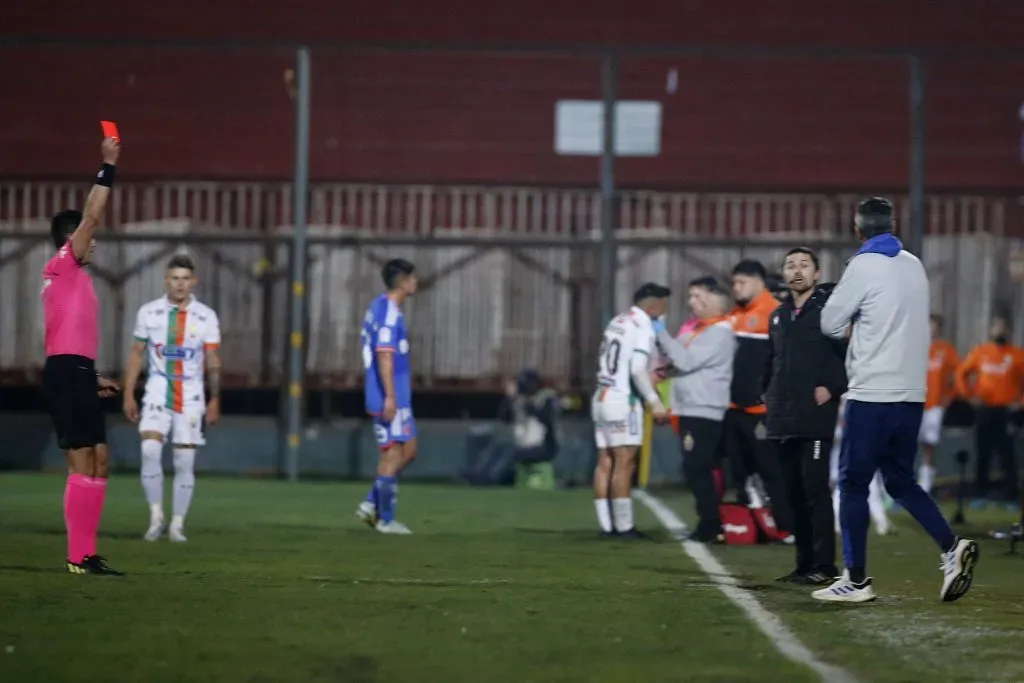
pixel 400 430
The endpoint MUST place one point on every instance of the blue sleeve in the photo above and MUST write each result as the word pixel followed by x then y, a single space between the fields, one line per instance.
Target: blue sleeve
pixel 385 331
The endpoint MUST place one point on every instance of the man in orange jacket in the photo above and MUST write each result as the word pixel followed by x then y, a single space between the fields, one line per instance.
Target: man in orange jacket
pixel 942 364
pixel 744 437
pixel 992 376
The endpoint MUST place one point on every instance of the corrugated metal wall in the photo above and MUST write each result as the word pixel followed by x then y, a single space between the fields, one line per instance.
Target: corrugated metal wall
pixel 484 312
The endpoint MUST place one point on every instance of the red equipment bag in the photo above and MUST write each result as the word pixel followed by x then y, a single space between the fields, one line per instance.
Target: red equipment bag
pixel 738 524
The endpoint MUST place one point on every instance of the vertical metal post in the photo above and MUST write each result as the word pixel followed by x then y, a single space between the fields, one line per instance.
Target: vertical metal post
pixel 296 371
pixel 608 270
pixel 918 77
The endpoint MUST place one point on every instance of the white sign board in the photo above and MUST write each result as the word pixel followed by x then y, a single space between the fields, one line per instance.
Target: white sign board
pixel 578 128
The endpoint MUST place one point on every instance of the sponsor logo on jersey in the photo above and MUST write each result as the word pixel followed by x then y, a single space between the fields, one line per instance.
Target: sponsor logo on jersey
pixel 175 352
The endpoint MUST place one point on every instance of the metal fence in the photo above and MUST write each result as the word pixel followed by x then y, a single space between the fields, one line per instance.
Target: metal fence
pixel 510 274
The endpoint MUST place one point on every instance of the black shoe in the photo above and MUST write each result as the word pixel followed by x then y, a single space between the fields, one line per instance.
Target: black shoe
pixel 634 534
pixel 710 538
pixel 792 577
pixel 609 534
pixel 93 564
pixel 816 578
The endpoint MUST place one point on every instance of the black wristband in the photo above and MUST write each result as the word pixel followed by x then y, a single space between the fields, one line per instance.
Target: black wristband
pixel 106 176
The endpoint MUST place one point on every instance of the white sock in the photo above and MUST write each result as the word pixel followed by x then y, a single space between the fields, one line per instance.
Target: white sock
pixel 622 512
pixel 876 505
pixel 152 475
pixel 156 514
pixel 604 514
pixel 184 484
pixel 926 477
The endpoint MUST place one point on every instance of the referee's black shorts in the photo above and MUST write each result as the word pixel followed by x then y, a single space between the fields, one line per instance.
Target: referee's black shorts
pixel 71 391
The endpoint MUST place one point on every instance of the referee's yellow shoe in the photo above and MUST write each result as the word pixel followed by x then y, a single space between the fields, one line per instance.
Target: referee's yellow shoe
pixel 91 564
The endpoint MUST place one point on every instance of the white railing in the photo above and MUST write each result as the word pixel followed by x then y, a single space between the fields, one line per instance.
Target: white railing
pixel 427 210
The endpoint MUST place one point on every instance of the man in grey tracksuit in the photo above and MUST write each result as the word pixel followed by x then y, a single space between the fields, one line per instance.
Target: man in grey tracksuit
pixel 702 374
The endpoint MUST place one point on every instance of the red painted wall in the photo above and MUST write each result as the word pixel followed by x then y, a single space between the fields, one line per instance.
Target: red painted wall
pixel 742 123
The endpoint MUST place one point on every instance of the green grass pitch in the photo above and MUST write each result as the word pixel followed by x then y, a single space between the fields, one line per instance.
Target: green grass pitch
pixel 279 582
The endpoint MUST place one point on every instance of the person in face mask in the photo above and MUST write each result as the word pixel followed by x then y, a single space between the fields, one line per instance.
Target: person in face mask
pixel 992 376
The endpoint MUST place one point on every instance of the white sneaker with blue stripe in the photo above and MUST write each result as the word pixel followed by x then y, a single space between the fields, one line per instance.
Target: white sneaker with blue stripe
pixel 958 569
pixel 845 590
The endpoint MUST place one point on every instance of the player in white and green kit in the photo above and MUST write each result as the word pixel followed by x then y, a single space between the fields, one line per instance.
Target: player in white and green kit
pixel 182 338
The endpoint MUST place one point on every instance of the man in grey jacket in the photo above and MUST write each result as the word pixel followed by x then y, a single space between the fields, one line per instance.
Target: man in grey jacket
pixel 702 374
pixel 881 302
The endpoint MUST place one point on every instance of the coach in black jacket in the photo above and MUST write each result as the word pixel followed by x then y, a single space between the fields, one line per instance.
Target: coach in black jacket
pixel 804 378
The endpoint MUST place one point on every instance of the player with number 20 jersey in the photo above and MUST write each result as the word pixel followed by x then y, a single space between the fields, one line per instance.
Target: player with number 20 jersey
pixel 623 385
pixel 617 406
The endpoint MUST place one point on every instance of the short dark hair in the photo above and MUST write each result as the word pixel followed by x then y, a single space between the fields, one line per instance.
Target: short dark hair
pixel 181 261
pixel 874 216
pixel 937 319
pixel 806 251
pixel 751 268
pixel 704 282
pixel 394 270
pixel 651 290
pixel 62 225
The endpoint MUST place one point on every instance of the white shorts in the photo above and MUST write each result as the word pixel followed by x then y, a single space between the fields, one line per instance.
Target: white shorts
pixel 618 422
pixel 931 427
pixel 186 427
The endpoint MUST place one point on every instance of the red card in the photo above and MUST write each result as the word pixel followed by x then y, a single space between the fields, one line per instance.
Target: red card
pixel 110 130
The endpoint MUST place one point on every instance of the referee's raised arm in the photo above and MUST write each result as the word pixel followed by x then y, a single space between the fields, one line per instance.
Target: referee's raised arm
pixel 96 202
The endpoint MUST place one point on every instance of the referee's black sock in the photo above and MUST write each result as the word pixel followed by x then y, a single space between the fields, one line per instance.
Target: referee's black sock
pixel 857 574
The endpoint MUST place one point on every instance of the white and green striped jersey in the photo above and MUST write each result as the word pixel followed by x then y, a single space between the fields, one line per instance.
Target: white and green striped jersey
pixel 176 338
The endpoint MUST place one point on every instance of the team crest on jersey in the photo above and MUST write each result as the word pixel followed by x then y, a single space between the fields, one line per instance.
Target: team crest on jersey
pixel 752 322
pixel 760 432
pixel 688 442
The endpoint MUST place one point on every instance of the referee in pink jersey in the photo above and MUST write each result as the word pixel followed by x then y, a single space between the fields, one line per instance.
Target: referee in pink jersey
pixel 70 382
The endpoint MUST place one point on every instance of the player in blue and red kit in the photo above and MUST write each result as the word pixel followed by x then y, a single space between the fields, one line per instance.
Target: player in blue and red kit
pixel 388 389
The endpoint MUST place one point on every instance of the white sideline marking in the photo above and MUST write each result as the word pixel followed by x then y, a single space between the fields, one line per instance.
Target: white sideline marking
pixel 784 640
